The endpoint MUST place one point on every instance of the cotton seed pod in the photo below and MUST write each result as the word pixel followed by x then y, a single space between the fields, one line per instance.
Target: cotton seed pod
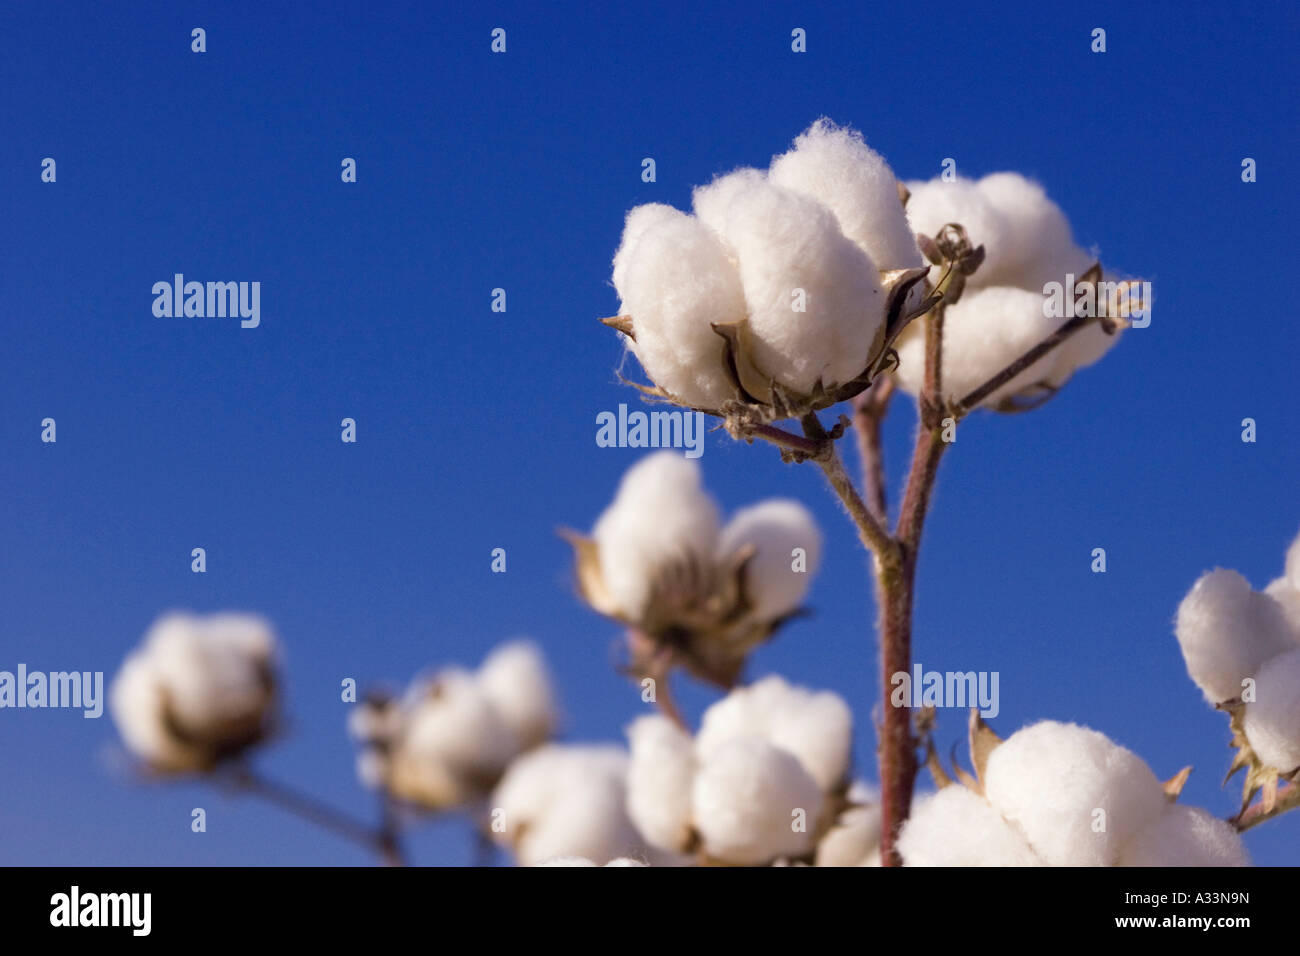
pixel 1077 796
pixel 834 166
pixel 958 827
pixel 1272 720
pixel 197 691
pixel 776 579
pixel 1185 836
pixel 749 799
pixel 659 782
pixel 1226 631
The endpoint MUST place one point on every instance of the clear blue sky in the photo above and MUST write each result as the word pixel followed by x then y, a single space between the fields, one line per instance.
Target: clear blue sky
pixel 477 430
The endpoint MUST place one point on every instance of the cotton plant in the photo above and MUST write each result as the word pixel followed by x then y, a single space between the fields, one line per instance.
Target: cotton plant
pixel 692 590
pixel 1242 649
pixel 1058 794
pixel 820 280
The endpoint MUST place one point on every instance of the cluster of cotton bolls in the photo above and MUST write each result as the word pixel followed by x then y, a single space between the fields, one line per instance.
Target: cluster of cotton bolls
pixel 1055 794
pixel 197 691
pixel 660 560
pixel 794 266
pixel 1027 243
pixel 447 741
pixel 1242 648
pixel 762 780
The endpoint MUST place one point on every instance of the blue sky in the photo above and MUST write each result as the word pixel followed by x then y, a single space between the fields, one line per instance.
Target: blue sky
pixel 476 429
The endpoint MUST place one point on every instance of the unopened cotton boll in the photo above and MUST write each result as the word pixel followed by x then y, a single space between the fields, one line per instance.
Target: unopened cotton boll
pixel 659 781
pixel 197 690
pixel 835 167
pixel 567 801
pixel 1226 631
pixel 749 797
pixel 674 279
pixel 1076 795
pixel 957 827
pixel 1272 721
pixel 660 515
pixel 792 254
pixel 776 578
pixel 983 333
pixel 1186 836
pixel 515 681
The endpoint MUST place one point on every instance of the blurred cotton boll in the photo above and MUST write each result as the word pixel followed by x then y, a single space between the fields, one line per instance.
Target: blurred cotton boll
pixel 834 166
pixel 583 861
pixel 854 838
pixel 776 579
pixel 957 827
pixel 1227 631
pixel 1186 836
pixel 1272 719
pixel 449 739
pixel 659 782
pixel 566 801
pixel 1076 795
pixel 198 690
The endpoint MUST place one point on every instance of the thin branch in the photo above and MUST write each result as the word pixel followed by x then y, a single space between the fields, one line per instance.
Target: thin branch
pixel 1022 363
pixel 872 532
pixel 869 409
pixel 787 440
pixel 1288 798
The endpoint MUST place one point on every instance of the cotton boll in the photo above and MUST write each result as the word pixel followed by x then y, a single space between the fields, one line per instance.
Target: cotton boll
pixel 1186 836
pixel 639 220
pixel 785 242
pixel 854 840
pixel 936 203
pixel 1293 564
pixel 1083 348
pixel 1050 779
pixel 957 827
pixel 1272 720
pixel 1226 631
pixel 675 281
pixel 1039 247
pixel 712 202
pixel 659 781
pixel 745 798
pixel 566 861
pixel 1282 591
pixel 983 333
pixel 567 801
pixel 515 681
pixel 661 514
pixel 137 702
pixel 774 529
pixel 835 167
pixel 626 861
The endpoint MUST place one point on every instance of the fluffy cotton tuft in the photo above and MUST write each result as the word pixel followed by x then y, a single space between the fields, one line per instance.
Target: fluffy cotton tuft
pixel 1272 720
pixel 711 202
pixel 834 166
pixel 1050 779
pixel 746 799
pixel 816 727
pixel 1186 836
pixel 661 515
pixel 674 278
pixel 196 690
pixel 583 861
pixel 774 528
pixel 1226 631
pixel 515 681
pixel 566 801
pixel 1026 238
pixel 854 839
pixel 957 827
pixel 1282 591
pixel 659 781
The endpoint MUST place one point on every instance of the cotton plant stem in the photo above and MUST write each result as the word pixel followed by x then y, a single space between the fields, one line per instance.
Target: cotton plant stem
pixel 872 531
pixel 1288 798
pixel 869 410
pixel 382 841
pixel 1019 365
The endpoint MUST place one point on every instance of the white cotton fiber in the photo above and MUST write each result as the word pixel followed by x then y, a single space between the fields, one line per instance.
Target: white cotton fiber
pixel 1292 572
pixel 1284 593
pixel 1272 720
pixel 983 333
pixel 660 515
pixel 746 799
pixel 1226 631
pixel 815 727
pixel 515 681
pixel 791 254
pixel 775 528
pixel 562 801
pixel 137 701
pixel 1053 780
pixel 957 827
pixel 659 781
pixel 674 279
pixel 712 202
pixel 1185 836
pixel 854 839
pixel 835 167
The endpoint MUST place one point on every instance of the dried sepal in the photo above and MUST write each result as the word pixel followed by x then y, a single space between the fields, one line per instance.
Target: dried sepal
pixel 1173 787
pixel 983 741
pixel 623 323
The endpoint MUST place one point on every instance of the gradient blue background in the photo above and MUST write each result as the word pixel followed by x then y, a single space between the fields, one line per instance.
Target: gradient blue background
pixel 476 429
